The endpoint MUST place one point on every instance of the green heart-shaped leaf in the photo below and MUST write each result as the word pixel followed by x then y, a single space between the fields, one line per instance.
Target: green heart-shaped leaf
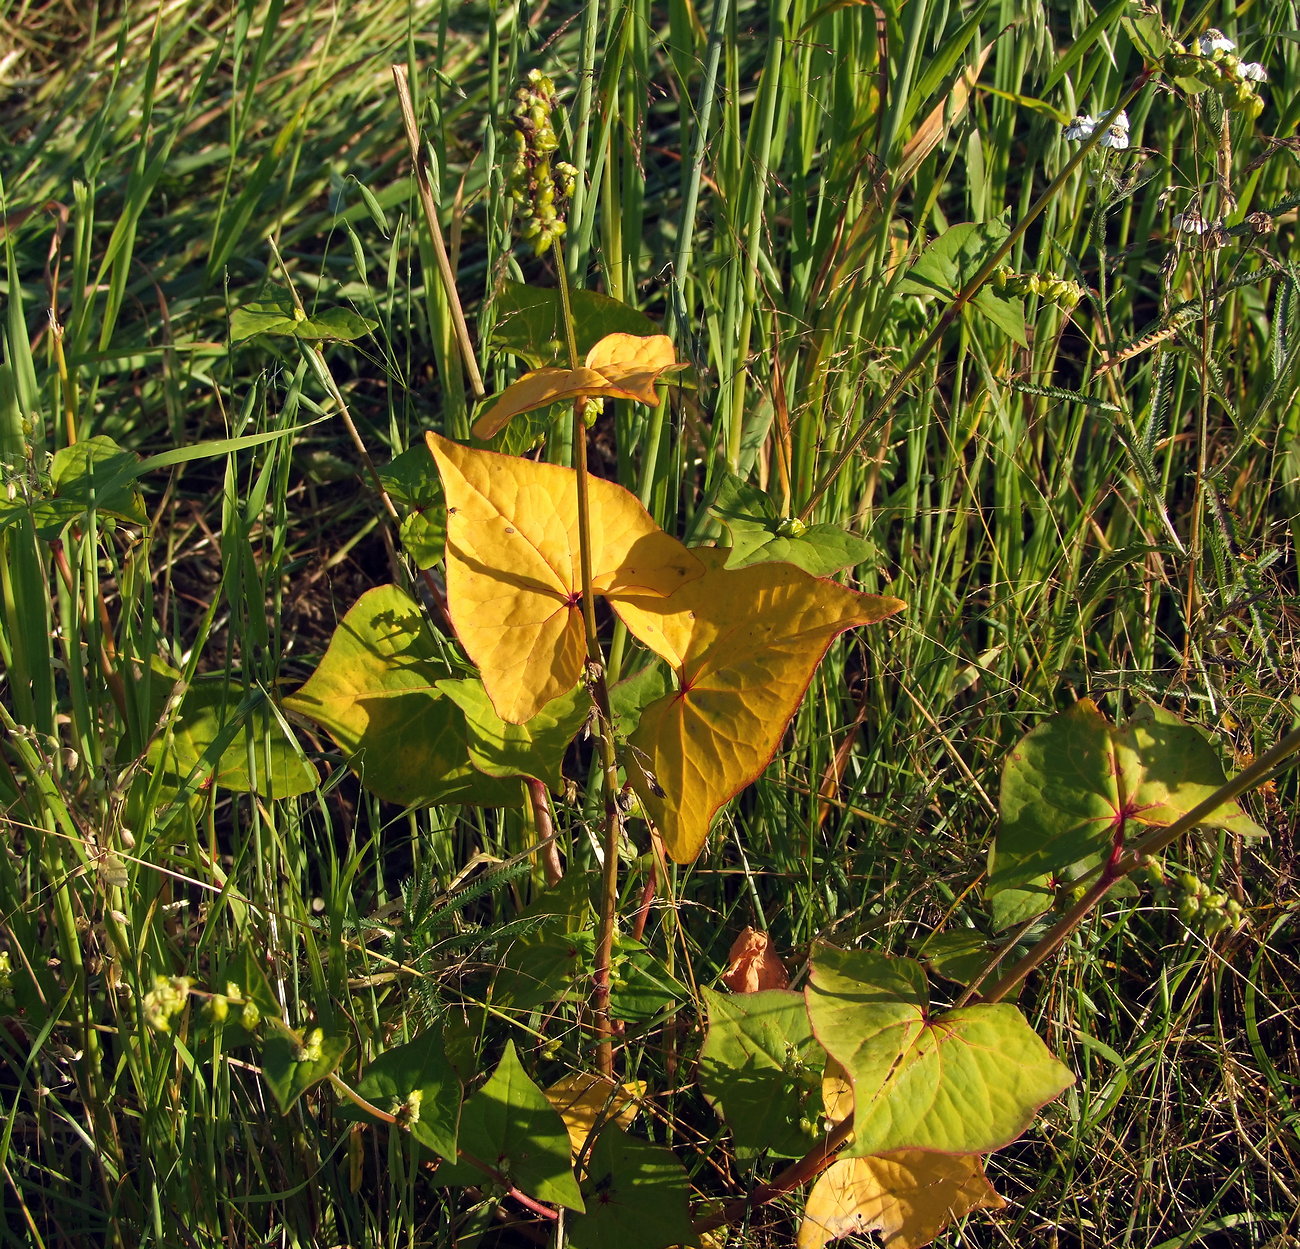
pixel 761 1067
pixel 963 1081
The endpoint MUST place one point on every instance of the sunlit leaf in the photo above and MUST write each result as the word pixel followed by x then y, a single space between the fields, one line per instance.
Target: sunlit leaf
pixel 952 259
pixel 513 571
pixel 282 317
pixel 759 534
pixel 413 485
pixel 292 1064
pixel 238 743
pixel 1077 782
pixel 960 1081
pixel 585 1100
pixel 416 1083
pixel 93 474
pixel 744 643
pixel 376 691
pixel 908 1197
pixel 761 1068
pixel 535 748
pixel 619 366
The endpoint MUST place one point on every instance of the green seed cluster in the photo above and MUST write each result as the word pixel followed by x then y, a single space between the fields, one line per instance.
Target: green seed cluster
pixel 1212 59
pixel 1045 285
pixel 539 187
pixel 219 1005
pixel 165 1001
pixel 1210 911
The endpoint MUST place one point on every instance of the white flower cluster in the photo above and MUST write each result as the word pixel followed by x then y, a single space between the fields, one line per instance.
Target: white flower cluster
pixel 1083 126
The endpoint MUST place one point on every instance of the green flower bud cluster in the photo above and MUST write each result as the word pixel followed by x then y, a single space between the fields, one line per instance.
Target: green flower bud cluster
pixel 1213 58
pixel 219 1005
pixel 6 981
pixel 1046 286
pixel 804 1083
pixel 165 1001
pixel 1209 910
pixel 309 1050
pixel 539 187
pixel 407 1111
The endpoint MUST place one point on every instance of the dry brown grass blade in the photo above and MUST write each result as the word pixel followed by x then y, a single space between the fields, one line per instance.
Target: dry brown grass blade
pixel 930 132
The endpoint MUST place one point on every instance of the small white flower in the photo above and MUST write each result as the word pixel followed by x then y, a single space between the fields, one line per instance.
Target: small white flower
pixel 1191 223
pixel 1116 135
pixel 1214 41
pixel 1252 71
pixel 1081 127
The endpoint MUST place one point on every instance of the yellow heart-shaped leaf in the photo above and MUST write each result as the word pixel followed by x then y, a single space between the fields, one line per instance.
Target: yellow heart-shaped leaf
pixel 619 366
pixel 513 568
pixel 586 1100
pixel 744 643
pixel 909 1197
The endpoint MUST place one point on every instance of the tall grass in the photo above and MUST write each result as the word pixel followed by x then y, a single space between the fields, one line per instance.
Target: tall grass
pixel 758 176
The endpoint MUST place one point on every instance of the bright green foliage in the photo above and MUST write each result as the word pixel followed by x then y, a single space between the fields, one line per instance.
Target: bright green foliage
pixel 761 1067
pixel 284 318
pixel 235 740
pixel 636 1195
pixel 509 1126
pixel 760 533
pixel 416 1083
pixel 376 690
pixel 92 475
pixel 418 494
pixel 292 1062
pixel 1077 787
pixel 964 1081
pixel 529 322
pixel 949 262
pixel 535 748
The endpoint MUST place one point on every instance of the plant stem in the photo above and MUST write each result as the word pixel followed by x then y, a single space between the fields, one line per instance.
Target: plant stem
pixel 808 1167
pixel 419 167
pixel 604 723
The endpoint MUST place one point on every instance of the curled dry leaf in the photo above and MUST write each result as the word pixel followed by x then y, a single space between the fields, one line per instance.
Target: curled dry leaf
pixel 619 366
pixel 753 965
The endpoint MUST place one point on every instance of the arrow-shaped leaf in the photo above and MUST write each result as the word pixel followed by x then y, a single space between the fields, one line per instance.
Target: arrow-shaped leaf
pixel 377 692
pixel 1077 786
pixel 745 643
pixel 513 573
pixel 284 318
